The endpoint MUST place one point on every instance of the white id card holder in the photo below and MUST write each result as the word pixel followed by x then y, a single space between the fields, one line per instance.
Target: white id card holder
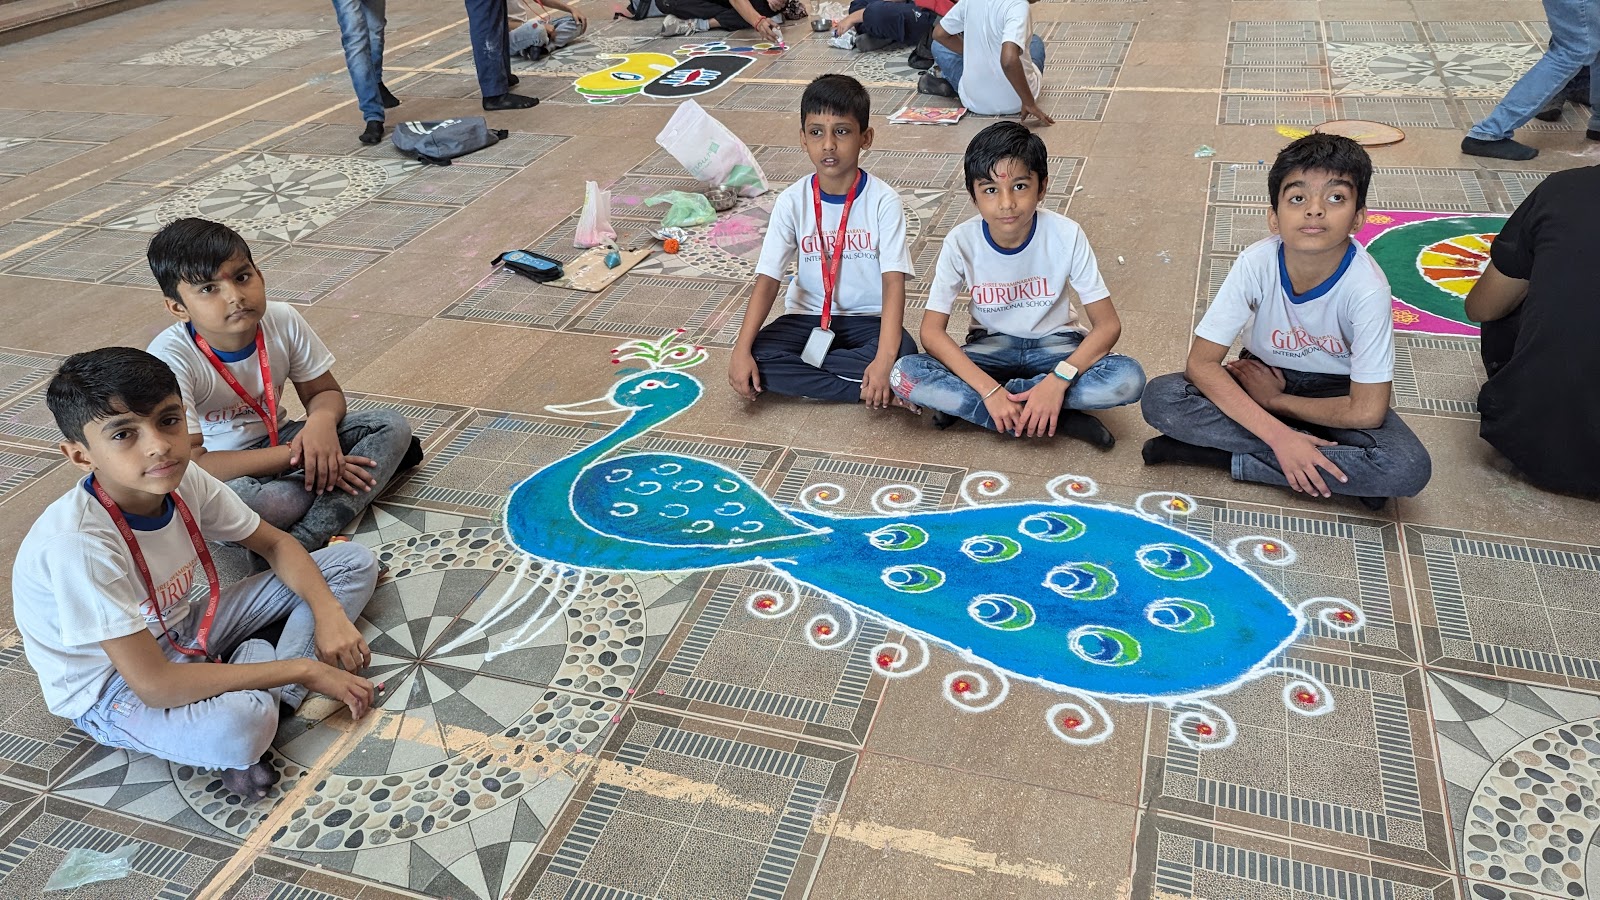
pixel 817 346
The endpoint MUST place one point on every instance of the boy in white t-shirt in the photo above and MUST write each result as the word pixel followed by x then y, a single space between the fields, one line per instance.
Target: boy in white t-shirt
pixel 1307 402
pixel 118 602
pixel 1028 366
pixel 310 478
pixel 987 54
pixel 846 318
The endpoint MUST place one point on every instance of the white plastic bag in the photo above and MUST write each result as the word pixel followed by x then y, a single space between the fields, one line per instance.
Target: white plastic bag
pixel 594 226
pixel 707 148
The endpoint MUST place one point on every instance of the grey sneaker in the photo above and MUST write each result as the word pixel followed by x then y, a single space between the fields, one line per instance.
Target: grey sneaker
pixel 672 26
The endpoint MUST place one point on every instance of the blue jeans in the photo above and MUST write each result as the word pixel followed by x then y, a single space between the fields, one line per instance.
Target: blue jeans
pixel 361 29
pixel 950 63
pixel 1574 43
pixel 491 46
pixel 1019 364
pixel 1387 461
pixel 232 730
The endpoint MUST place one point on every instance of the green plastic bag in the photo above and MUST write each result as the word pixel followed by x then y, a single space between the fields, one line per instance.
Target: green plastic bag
pixel 742 177
pixel 687 209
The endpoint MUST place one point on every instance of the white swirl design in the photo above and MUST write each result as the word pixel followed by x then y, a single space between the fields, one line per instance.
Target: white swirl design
pixel 884 502
pixel 987 484
pixel 1072 487
pixel 1269 550
pixel 1081 721
pixel 979 694
pixel 1203 725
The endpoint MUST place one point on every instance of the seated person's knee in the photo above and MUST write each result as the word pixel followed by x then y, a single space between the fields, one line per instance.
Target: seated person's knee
pixel 243 729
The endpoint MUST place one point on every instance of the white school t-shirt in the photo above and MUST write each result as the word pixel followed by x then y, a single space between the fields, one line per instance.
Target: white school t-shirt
pixel 1021 292
pixel 875 243
pixel 75 584
pixel 1342 327
pixel 986 25
pixel 224 420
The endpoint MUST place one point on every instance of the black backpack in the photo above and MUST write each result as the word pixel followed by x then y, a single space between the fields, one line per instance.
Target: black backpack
pixel 440 142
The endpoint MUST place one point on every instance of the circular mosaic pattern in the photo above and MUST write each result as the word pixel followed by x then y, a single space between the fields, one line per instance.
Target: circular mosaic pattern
pixel 279 192
pixel 1531 819
pixel 887 66
pixel 1473 70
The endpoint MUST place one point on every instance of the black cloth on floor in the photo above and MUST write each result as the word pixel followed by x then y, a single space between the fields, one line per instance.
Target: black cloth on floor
pixel 1540 406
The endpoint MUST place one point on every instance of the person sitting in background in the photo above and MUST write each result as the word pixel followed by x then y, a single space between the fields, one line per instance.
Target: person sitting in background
pixel 986 40
pixel 875 24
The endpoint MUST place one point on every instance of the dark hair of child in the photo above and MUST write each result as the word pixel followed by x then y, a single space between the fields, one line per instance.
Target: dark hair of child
pixel 1002 141
pixel 1331 153
pixel 192 250
pixel 111 381
pixel 839 95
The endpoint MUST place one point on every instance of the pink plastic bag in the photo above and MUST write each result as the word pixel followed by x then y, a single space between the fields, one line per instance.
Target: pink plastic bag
pixel 594 226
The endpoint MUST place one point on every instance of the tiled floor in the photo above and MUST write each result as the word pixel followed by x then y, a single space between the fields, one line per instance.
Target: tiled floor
pixel 1430 733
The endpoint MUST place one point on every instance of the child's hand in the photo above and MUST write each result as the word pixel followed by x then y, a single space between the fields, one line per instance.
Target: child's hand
pixel 354 478
pixel 1300 456
pixel 1043 409
pixel 769 30
pixel 317 449
pixel 340 645
pixel 1262 382
pixel 351 690
pixel 1030 107
pixel 875 390
pixel 1006 410
pixel 742 374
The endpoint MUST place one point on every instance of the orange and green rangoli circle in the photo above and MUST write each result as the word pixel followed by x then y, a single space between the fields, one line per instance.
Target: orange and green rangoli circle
pixel 1432 264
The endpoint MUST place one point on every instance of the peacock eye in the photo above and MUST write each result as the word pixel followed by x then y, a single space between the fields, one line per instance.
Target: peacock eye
pixel 650 385
pixel 1182 616
pixel 1173 562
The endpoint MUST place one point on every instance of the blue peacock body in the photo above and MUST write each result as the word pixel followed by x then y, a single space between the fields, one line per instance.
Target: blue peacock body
pixel 1092 600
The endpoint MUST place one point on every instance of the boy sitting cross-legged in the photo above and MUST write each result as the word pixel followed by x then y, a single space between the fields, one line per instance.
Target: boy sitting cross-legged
pixel 842 329
pixel 127 639
pixel 232 352
pixel 1028 365
pixel 1307 402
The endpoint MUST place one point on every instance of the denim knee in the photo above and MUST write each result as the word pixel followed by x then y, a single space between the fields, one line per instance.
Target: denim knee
pixel 1162 397
pixel 242 729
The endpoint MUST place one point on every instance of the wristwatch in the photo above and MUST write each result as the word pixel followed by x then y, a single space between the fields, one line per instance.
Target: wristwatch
pixel 1066 371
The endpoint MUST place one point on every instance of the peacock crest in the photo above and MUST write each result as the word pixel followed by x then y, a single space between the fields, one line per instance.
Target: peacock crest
pixel 1094 601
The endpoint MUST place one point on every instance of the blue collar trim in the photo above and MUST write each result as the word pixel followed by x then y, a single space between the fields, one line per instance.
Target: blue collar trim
pixel 1033 228
pixel 1327 283
pixel 138 522
pixel 861 187
pixel 227 356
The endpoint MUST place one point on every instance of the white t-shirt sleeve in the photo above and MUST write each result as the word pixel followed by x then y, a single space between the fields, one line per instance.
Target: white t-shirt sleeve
pixel 954 21
pixel 219 512
pixel 1017 27
pixel 893 255
pixel 309 358
pixel 1372 339
pixel 1231 311
pixel 949 278
pixel 1085 272
pixel 778 248
pixel 96 591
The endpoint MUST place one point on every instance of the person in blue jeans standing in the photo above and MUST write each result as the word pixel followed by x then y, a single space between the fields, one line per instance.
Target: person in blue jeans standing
pixel 1029 366
pixel 491 55
pixel 361 29
pixel 1574 44
pixel 978 47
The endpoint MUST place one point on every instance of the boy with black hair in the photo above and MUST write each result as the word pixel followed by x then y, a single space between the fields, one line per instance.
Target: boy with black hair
pixel 232 351
pixel 1307 402
pixel 842 327
pixel 1028 366
pixel 988 55
pixel 126 641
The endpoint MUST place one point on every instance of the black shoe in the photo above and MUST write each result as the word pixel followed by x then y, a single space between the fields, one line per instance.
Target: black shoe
pixel 1375 504
pixel 930 83
pixel 1550 114
pixel 942 420
pixel 1592 135
pixel 866 43
pixel 1505 148
pixel 390 101
pixel 512 80
pixel 413 456
pixel 509 101
pixel 921 57
pixel 373 134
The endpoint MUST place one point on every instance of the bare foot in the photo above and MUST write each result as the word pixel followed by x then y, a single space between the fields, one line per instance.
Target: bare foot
pixel 897 400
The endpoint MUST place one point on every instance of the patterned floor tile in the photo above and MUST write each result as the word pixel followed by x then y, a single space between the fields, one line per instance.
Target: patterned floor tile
pixel 100 204
pixel 1442 190
pixel 1360 777
pixel 307 274
pixel 28 421
pixel 22 156
pixel 1249 109
pixel 23 370
pixel 682 808
pixel 429 421
pixel 1074 106
pixel 643 306
pixel 91 258
pixel 1086 53
pixel 1509 607
pixel 180 167
pixel 1437 376
pixel 1373 32
pixel 1404 112
pixel 226 47
pixel 36 748
pixel 730 663
pixel 1176 859
pixel 845 484
pixel 1086 31
pixel 1519 184
pixel 1461 70
pixel 1286 80
pixel 511 299
pixel 78 126
pixel 379 225
pixel 1275 55
pixel 1476 32
pixel 21 465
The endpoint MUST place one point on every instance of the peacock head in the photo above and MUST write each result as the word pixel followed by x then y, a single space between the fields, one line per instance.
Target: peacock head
pixel 660 387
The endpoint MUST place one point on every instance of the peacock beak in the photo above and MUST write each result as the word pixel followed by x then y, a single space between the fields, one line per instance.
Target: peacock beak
pixel 601 406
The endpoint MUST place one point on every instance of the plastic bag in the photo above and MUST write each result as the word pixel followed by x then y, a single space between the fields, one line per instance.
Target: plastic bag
pixel 687 209
pixel 708 149
pixel 832 11
pixel 84 866
pixel 594 226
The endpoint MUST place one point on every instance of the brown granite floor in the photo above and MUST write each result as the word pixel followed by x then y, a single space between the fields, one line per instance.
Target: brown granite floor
pixel 665 742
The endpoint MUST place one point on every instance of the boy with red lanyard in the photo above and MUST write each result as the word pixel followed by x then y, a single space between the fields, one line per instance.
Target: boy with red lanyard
pixel 128 639
pixel 846 233
pixel 232 352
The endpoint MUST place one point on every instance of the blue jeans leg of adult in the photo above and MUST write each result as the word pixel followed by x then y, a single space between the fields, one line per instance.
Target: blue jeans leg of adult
pixel 1574 43
pixel 361 31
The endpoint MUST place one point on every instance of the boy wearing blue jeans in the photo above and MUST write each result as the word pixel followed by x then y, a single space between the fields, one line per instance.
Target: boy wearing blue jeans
pixel 988 55
pixel 1306 404
pixel 129 641
pixel 1028 366
pixel 233 353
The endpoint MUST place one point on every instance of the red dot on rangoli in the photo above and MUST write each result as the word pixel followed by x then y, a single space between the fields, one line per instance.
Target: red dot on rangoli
pixel 1072 723
pixel 764 603
pixel 1345 615
pixel 885 660
pixel 988 482
pixel 961 686
pixel 1270 547
pixel 1179 505
pixel 1203 730
pixel 895 497
pixel 1076 485
pixel 1305 698
pixel 824 630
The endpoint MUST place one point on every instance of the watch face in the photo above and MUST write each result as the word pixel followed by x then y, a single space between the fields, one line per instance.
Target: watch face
pixel 1066 370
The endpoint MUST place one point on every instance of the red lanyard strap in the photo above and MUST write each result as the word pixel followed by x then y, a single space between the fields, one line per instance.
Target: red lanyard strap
pixel 268 408
pixel 200 549
pixel 830 264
